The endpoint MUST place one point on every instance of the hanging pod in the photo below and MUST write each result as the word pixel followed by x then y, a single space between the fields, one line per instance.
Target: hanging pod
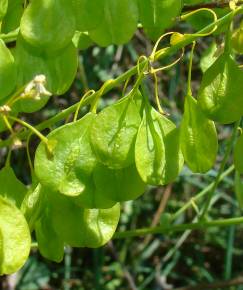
pixel 69 170
pixel 79 227
pixel 88 13
pixel 15 237
pixel 48 24
pixel 238 155
pixel 60 71
pixel 157 151
pixel 8 72
pixel 118 185
pixel 119 22
pixel 220 94
pixel 49 242
pixel 114 131
pixel 157 15
pixel 198 138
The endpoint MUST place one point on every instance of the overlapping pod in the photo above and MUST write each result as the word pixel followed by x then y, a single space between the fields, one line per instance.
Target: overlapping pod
pixel 238 154
pixel 82 227
pixel 158 15
pixel 8 72
pixel 198 137
pixel 118 185
pixel 220 94
pixel 3 8
pixel 48 24
pixel 113 133
pixel 11 20
pixel 157 150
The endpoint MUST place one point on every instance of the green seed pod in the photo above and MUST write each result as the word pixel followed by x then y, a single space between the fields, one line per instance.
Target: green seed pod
pixel 113 133
pixel 157 152
pixel 220 92
pixel 3 8
pixel 198 138
pixel 15 237
pixel 118 185
pixel 12 18
pixel 93 227
pixel 239 189
pixel 8 72
pixel 48 24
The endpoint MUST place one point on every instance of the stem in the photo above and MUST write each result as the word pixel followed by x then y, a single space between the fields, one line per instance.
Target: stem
pixel 221 169
pixel 189 89
pixel 161 54
pixel 11 36
pixel 202 193
pixel 178 228
pixel 31 128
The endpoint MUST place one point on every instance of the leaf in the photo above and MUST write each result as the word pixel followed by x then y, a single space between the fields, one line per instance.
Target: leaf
pixel 198 138
pixel 220 92
pixel 50 244
pixel 15 238
pixel 8 71
pixel 113 134
pixel 157 153
pixel 88 13
pixel 238 154
pixel 157 15
pixel 239 189
pixel 118 185
pixel 48 24
pixel 119 22
pixel 80 227
pixel 11 187
pixel 60 71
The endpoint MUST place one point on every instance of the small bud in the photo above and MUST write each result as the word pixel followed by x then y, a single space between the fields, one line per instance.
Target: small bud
pixel 36 88
pixel 175 38
pixel 17 143
pixel 5 109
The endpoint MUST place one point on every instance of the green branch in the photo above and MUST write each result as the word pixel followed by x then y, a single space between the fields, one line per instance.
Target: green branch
pixel 161 54
pixel 178 228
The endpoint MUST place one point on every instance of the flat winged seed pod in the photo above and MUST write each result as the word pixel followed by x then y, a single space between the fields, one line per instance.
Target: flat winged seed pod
pixel 198 137
pixel 113 133
pixel 79 227
pixel 220 94
pixel 15 238
pixel 157 150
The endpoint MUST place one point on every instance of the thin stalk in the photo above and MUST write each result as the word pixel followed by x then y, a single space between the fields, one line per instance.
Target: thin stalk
pixel 202 193
pixel 221 169
pixel 161 54
pixel 31 128
pixel 189 80
pixel 179 228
